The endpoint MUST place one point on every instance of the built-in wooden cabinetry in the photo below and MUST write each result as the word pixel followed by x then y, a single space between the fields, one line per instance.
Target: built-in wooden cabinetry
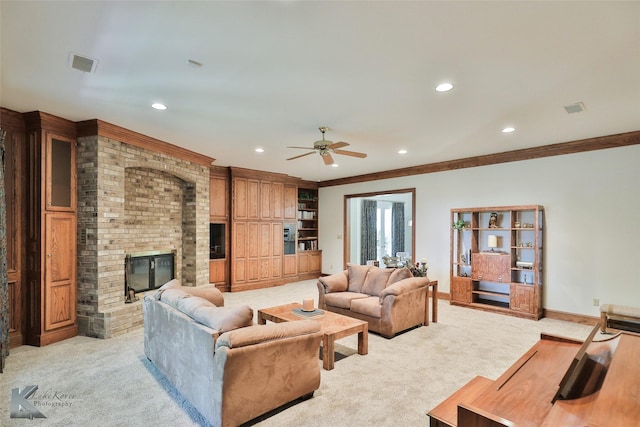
pixel 15 186
pixel 496 259
pixel 51 229
pixel 262 204
pixel 218 227
pixel 309 257
pixel 263 230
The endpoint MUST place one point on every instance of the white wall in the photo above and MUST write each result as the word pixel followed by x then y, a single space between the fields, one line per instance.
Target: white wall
pixel 592 218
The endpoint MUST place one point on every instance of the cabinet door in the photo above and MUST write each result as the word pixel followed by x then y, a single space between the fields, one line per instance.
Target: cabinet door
pixel 265 199
pixel 239 260
pixel 289 265
pixel 491 268
pixel 315 261
pixel 303 263
pixel 218 196
pixel 277 202
pixel 60 179
pixel 290 201
pixel 60 270
pixel 240 198
pixel 253 197
pixel 217 271
pixel 461 289
pixel 522 298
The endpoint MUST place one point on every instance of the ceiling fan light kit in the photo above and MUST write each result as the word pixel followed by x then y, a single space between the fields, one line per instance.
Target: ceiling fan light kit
pixel 325 148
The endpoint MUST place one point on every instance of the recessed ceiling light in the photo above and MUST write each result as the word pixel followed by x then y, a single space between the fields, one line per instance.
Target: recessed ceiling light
pixel 403 151
pixel 444 87
pixel 259 150
pixel 159 106
pixel 335 165
pixel 508 129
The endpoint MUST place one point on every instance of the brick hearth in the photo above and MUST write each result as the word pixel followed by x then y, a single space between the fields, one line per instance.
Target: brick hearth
pixel 133 200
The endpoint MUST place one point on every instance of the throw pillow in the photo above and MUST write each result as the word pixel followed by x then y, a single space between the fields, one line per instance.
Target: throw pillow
pixel 376 280
pixel 399 274
pixel 357 275
pixel 223 319
pixel 171 284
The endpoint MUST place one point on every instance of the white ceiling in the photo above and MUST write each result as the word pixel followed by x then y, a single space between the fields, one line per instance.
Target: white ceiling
pixel 274 71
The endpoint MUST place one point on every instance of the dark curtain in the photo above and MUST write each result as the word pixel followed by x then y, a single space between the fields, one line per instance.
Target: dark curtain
pixel 4 281
pixel 368 231
pixel 397 230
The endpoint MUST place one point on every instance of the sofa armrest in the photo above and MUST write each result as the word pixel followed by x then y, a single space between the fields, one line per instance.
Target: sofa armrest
pixel 338 282
pixel 257 334
pixel 404 286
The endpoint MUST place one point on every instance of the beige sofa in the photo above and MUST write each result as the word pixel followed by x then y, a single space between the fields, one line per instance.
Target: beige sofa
pixel 391 300
pixel 229 369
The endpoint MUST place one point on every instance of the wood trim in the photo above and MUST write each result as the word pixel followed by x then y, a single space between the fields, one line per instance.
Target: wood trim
pixel 45 122
pixel 98 127
pixel 571 317
pixel 590 144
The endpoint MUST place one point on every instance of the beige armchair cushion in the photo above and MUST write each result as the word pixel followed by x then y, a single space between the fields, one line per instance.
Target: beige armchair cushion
pixel 376 280
pixel 357 275
pixel 335 283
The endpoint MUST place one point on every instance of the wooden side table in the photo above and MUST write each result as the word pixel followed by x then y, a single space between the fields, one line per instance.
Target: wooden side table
pixel 433 284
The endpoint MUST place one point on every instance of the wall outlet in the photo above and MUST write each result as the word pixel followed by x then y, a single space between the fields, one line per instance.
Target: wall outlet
pixel 596 302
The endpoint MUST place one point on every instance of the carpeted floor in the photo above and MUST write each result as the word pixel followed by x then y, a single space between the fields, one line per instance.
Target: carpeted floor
pixel 85 381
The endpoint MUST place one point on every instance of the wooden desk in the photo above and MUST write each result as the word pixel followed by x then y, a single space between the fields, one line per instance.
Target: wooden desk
pixel 433 284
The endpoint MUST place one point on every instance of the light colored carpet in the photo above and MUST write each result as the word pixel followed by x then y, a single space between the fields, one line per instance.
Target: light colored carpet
pixel 87 381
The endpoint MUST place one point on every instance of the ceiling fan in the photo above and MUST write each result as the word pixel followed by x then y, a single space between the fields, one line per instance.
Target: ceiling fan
pixel 325 148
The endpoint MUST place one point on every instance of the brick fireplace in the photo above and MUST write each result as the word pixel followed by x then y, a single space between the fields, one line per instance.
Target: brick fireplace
pixel 131 200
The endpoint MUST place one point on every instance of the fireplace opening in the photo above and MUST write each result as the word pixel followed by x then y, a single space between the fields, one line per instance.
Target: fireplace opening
pixel 147 271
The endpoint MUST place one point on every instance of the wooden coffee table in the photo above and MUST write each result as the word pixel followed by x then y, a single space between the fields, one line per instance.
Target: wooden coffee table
pixel 333 326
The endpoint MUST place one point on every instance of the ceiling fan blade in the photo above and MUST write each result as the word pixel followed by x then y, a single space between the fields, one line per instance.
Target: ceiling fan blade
pixel 328 160
pixel 304 148
pixel 350 153
pixel 338 145
pixel 301 155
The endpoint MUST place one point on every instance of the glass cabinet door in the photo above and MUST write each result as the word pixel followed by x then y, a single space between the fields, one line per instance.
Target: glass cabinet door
pixel 60 177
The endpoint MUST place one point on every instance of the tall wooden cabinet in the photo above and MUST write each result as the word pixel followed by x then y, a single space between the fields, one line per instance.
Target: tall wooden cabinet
pixel 218 227
pixel 51 229
pixel 496 259
pixel 309 256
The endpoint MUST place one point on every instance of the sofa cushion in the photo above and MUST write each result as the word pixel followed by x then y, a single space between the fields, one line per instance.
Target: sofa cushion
pixel 357 275
pixel 369 306
pixel 399 274
pixel 342 299
pixel 376 280
pixel 223 319
pixel 171 284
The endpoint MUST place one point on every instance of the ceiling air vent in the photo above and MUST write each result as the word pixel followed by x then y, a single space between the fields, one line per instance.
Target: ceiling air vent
pixel 83 63
pixel 575 108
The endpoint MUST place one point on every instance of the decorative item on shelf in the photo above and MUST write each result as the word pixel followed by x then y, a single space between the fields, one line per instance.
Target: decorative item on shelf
pixel 516 224
pixel 419 269
pixel 459 225
pixel 493 220
pixel 390 261
pixel 492 242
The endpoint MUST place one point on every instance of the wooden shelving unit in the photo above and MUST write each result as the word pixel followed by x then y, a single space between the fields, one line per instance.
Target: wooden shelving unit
pixel 506 278
pixel 308 254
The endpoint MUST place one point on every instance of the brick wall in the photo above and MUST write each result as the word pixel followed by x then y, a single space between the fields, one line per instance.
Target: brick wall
pixel 133 200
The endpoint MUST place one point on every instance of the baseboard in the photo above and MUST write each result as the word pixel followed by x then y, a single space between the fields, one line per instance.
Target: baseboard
pixel 551 314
